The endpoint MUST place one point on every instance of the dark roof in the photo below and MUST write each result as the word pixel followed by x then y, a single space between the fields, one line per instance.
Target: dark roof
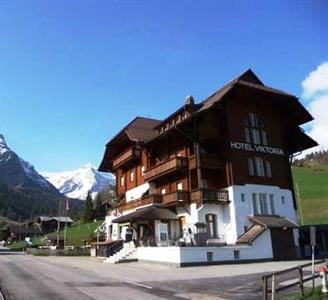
pixel 23 229
pixel 148 213
pixel 251 234
pixel 139 129
pixel 273 222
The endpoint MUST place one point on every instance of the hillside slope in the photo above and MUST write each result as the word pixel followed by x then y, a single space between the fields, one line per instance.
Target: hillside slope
pixel 311 181
pixel 25 203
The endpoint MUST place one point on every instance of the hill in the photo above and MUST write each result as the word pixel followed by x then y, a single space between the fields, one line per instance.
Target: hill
pixel 25 203
pixel 311 184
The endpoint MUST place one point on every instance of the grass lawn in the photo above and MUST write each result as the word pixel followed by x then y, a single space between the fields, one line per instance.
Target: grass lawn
pixel 78 233
pixel 312 183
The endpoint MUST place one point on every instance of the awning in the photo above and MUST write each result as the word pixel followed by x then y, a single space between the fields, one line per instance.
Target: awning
pixel 273 222
pixel 148 213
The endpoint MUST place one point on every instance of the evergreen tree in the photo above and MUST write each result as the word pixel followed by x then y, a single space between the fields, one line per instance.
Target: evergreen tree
pixel 100 211
pixel 88 213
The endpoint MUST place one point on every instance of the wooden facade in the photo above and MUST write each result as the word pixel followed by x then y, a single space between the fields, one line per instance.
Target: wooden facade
pixel 188 156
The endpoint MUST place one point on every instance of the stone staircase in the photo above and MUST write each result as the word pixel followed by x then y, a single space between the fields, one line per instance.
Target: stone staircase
pixel 126 254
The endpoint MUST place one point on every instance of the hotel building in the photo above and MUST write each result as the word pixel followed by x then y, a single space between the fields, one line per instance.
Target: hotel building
pixel 211 182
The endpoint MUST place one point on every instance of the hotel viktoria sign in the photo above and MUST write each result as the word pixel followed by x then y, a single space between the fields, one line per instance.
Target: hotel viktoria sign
pixel 211 174
pixel 256 148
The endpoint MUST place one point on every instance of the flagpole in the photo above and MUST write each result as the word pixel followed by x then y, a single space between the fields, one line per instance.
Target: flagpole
pixel 58 223
pixel 65 234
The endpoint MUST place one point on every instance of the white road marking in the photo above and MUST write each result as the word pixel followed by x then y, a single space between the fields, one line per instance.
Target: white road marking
pixel 140 284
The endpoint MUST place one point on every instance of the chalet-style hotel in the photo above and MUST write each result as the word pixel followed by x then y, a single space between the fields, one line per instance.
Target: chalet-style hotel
pixel 211 182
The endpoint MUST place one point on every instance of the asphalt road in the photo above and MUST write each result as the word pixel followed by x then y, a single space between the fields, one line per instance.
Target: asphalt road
pixel 28 277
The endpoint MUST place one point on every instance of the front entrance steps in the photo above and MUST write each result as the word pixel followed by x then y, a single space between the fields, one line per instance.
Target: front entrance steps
pixel 126 254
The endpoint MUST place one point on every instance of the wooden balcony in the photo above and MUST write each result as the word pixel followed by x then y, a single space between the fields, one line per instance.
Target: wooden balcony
pixel 125 157
pixel 207 161
pixel 151 199
pixel 166 167
pixel 178 197
pixel 213 196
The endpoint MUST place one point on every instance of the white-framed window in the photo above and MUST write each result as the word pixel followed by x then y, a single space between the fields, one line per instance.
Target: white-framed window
pixel 143 171
pixel 179 186
pixel 271 198
pixel 263 204
pixel 132 176
pixel 259 166
pixel 268 169
pixel 122 180
pixel 242 197
pixel 254 203
pixel 251 166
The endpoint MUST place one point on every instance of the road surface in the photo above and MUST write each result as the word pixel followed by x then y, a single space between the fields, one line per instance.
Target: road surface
pixel 27 277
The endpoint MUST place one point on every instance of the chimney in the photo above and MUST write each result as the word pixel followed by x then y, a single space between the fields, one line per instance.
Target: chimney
pixel 189 100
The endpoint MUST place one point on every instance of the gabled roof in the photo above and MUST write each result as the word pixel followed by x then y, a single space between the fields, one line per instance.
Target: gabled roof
pixel 248 79
pixel 140 129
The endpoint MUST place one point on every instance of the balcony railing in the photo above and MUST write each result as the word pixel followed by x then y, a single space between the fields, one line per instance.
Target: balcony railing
pixel 210 196
pixel 207 161
pixel 151 199
pixel 126 156
pixel 166 167
pixel 175 198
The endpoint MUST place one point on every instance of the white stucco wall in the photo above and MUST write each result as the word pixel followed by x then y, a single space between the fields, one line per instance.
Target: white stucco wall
pixel 137 192
pixel 241 210
pixel 260 249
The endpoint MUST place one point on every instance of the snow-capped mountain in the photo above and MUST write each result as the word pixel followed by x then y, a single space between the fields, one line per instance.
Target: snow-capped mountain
pixel 16 172
pixel 77 183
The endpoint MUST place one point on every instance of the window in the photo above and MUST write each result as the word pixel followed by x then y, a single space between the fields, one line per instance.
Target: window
pixel 131 176
pixel 179 186
pixel 142 171
pixel 271 197
pixel 259 166
pixel 122 180
pixel 163 191
pixel 242 197
pixel 211 224
pixel 254 202
pixel 268 169
pixel 251 166
pixel 236 254
pixel 254 130
pixel 263 204
pixel 283 200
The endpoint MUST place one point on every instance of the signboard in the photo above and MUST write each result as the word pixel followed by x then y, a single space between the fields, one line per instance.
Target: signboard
pixel 256 148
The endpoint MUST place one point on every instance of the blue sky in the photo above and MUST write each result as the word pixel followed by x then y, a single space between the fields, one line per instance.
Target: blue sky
pixel 72 73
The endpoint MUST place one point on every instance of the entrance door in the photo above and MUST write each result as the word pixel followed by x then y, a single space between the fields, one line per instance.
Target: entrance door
pixel 283 246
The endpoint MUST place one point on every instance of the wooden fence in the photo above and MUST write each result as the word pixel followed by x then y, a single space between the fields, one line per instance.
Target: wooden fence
pixel 299 277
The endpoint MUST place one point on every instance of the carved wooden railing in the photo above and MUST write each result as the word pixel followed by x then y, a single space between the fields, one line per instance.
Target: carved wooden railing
pixel 166 167
pixel 210 196
pixel 207 161
pixel 151 199
pixel 175 198
pixel 126 156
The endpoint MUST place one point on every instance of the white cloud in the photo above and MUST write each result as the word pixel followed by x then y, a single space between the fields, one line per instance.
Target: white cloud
pixel 316 83
pixel 315 92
